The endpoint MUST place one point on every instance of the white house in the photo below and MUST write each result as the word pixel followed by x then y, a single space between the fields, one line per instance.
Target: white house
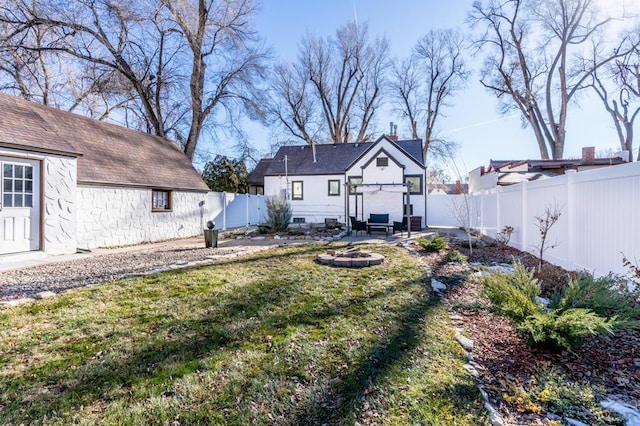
pixel 70 182
pixel 348 179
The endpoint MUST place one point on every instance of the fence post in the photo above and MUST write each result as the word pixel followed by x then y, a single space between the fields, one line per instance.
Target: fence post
pixel 247 210
pixel 482 196
pixel 523 221
pixel 497 210
pixel 224 211
pixel 571 218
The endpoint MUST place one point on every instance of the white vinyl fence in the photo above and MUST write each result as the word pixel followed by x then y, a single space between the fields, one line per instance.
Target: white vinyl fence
pixel 230 210
pixel 599 219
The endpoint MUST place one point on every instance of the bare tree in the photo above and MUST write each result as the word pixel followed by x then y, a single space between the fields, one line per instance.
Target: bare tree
pixel 38 75
pixel 334 90
pixel 424 84
pixel 530 47
pixel 618 87
pixel 147 45
pixel 226 59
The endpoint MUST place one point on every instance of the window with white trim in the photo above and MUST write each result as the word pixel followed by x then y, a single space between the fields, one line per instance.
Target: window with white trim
pixel 296 190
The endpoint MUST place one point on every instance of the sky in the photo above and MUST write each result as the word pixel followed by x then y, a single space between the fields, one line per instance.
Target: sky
pixel 472 121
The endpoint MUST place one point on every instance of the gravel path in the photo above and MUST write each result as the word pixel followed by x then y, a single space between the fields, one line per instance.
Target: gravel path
pixel 115 264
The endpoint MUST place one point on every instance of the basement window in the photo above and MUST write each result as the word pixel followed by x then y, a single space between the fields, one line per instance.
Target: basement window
pixel 160 201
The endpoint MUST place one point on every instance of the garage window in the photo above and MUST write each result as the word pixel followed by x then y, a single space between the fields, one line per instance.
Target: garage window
pixel 17 185
pixel 161 200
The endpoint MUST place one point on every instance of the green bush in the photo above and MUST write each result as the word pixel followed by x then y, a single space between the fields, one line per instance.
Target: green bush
pixel 434 244
pixel 456 256
pixel 278 213
pixel 606 296
pixel 563 325
pixel 563 329
pixel 513 294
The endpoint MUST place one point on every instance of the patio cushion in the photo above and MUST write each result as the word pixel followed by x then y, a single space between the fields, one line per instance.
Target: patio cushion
pixel 378 218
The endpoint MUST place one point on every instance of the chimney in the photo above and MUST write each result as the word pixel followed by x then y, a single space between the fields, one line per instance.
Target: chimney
pixel 588 154
pixel 392 131
pixel 458 187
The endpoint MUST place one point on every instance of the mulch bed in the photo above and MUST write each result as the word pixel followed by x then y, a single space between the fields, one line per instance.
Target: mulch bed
pixel 611 363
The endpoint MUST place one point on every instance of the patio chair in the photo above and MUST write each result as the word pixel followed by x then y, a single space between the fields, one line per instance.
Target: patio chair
pixel 397 227
pixel 357 225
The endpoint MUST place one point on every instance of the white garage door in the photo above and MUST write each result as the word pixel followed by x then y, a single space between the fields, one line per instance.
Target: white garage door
pixel 19 205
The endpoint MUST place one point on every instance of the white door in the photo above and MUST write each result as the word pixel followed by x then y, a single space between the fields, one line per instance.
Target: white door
pixel 19 205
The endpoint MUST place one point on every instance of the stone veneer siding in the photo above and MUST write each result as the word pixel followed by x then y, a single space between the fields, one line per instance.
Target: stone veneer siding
pixel 113 216
pixel 60 178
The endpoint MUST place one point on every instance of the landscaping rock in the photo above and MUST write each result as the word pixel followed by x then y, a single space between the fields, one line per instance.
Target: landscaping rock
pixel 630 413
pixel 465 342
pixel 45 294
pixel 16 302
pixel 437 286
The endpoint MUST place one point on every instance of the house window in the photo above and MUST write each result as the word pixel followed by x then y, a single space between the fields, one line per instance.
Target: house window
pixel 382 161
pixel 415 183
pixel 17 185
pixel 296 190
pixel 160 200
pixel 334 188
pixel 354 180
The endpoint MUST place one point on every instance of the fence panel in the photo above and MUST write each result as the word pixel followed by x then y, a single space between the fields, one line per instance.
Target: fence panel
pixel 597 224
pixel 230 210
pixel 440 209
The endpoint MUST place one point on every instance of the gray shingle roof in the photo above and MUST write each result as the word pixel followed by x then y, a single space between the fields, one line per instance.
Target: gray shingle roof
pixel 330 158
pixel 108 153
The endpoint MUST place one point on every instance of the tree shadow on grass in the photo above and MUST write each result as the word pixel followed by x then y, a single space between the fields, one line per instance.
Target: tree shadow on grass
pixel 174 348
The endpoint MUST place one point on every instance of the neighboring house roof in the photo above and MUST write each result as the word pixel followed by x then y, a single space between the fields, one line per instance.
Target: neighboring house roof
pixel 108 154
pixel 448 188
pixel 550 165
pixel 330 158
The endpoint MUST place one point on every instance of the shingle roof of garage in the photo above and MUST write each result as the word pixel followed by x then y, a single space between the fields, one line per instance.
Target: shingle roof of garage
pixel 108 154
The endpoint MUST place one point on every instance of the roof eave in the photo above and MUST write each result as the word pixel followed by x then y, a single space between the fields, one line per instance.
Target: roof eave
pixel 39 150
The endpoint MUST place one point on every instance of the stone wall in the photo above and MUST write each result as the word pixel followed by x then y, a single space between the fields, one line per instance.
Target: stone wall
pixel 60 178
pixel 113 216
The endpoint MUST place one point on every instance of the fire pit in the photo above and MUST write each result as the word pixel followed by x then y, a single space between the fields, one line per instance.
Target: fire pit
pixel 352 258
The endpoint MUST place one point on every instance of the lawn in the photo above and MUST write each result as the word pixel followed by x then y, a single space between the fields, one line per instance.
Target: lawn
pixel 273 338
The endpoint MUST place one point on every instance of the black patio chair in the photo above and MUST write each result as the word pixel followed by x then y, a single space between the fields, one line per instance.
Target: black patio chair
pixel 357 225
pixel 397 227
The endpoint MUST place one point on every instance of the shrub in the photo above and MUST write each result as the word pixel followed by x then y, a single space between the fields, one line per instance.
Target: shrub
pixel 456 256
pixel 278 213
pixel 503 237
pixel 564 325
pixel 606 296
pixel 434 244
pixel 513 294
pixel 563 329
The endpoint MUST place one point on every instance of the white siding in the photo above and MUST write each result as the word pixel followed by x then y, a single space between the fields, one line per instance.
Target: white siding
pixel 111 216
pixel 316 204
pixel 386 200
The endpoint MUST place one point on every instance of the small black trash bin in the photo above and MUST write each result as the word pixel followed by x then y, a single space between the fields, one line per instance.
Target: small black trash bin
pixel 210 238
